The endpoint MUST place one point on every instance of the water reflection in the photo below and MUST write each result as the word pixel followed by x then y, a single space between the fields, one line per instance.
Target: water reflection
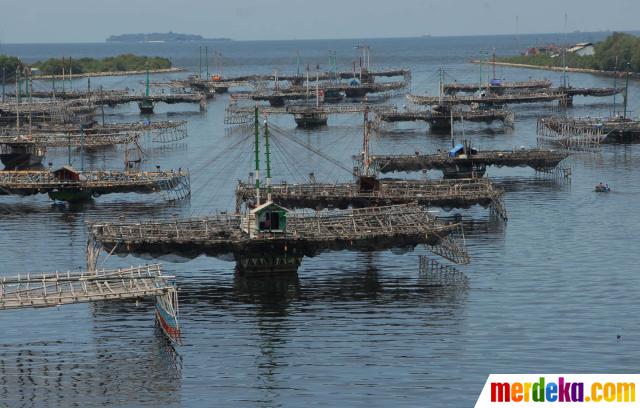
pixel 107 372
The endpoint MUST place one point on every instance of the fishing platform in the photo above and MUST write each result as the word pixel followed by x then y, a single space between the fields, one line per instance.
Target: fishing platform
pixel 69 184
pixel 464 161
pixel 241 114
pixel 144 100
pixel 370 191
pixel 29 150
pixel 161 131
pixel 72 94
pixel 564 95
pixel 564 133
pixel 365 74
pixel 60 288
pixel 359 90
pixel 272 239
pixel 72 111
pixel 496 86
pixel 616 130
pixel 441 117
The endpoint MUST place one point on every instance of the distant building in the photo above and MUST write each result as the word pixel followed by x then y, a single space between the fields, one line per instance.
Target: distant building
pixel 582 49
pixel 550 49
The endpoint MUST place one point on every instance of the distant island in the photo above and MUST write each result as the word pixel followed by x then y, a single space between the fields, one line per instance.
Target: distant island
pixel 161 37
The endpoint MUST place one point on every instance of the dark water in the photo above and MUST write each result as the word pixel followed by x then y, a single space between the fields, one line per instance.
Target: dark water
pixel 548 292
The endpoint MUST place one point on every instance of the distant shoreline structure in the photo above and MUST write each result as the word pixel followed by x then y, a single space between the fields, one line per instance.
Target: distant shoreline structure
pixel 169 37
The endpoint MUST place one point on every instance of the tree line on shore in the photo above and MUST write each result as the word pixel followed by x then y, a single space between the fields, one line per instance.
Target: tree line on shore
pixel 618 52
pixel 55 66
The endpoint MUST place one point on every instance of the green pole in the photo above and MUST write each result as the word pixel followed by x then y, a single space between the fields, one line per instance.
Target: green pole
pixel 298 61
pixel 81 148
pixel 147 82
pixel 480 83
pixel 256 123
pixel 206 59
pixel 200 62
pixel 4 78
pixel 615 80
pixel 626 91
pixel 267 158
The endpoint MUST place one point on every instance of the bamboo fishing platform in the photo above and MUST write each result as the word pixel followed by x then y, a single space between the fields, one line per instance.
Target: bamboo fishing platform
pixel 73 111
pixel 487 100
pixel 161 131
pixel 446 194
pixel 502 86
pixel 63 288
pixel 69 139
pixel 562 94
pixel 538 159
pixel 321 76
pixel 364 229
pixel 60 288
pixel 440 119
pixel 72 94
pixel 222 85
pixel 279 97
pixel 241 114
pixel 565 133
pixel 168 98
pixel 68 184
pixel 616 130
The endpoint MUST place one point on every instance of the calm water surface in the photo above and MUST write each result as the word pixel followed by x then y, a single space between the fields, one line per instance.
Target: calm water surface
pixel 548 292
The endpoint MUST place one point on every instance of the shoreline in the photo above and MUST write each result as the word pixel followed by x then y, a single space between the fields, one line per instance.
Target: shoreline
pixel 559 69
pixel 113 73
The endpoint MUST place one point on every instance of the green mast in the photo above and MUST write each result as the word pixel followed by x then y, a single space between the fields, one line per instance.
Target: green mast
pixel 147 82
pixel 256 123
pixel 615 85
pixel 626 91
pixel 206 59
pixel 267 155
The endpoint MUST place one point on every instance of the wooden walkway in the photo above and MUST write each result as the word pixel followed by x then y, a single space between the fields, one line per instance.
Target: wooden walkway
pixel 133 283
pixel 61 288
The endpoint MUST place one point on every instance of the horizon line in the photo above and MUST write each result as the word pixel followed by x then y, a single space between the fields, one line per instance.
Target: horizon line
pixel 228 39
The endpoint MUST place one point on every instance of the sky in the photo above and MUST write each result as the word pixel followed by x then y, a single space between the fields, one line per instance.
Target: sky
pixel 61 21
